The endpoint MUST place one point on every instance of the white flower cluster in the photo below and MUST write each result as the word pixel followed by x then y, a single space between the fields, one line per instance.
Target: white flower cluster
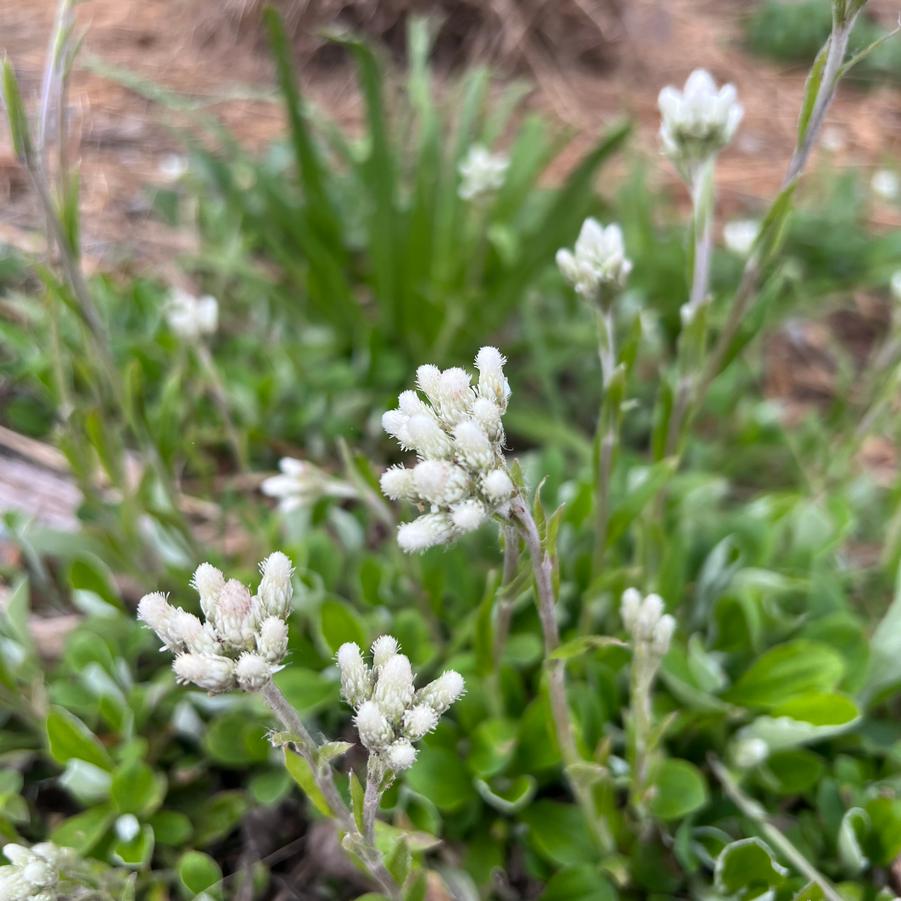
pixel 244 637
pixel 390 713
pixel 461 477
pixel 32 873
pixel 699 120
pixel 481 173
pixel 191 317
pixel 740 235
pixel 598 260
pixel 646 622
pixel 301 484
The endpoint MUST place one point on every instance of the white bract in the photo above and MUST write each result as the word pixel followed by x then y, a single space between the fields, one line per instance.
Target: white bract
pixel 301 484
pixel 481 173
pixel 245 637
pixel 191 317
pixel 597 261
pixel 698 121
pixel 33 874
pixel 740 235
pixel 458 435
pixel 389 713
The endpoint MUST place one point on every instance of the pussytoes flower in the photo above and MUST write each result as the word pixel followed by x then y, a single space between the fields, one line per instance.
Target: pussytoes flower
pixel 243 638
pixel 740 235
pixel 390 715
pixel 646 622
pixel 457 432
pixel 481 173
pixel 300 484
pixel 598 260
pixel 33 874
pixel 190 317
pixel 698 121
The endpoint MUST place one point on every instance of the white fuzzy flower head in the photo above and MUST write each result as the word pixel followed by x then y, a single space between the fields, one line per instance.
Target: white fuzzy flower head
pixel 211 672
pixel 468 515
pixel 383 649
pixel 428 378
pixel 397 483
pixel 419 720
pixel 498 486
pixel 454 395
pixel 597 261
pixel 441 693
pixel 208 582
pixel 629 608
pixel 356 680
pixel 393 690
pixel 886 184
pixel 481 173
pixel 373 728
pixel 740 235
pixel 197 637
pixel 277 586
pixel 272 639
pixel 493 385
pixel 749 752
pixel 648 617
pixel 425 532
pixel 159 615
pixel 190 317
pixel 663 635
pixel 127 827
pixel 427 438
pixel 252 671
pixel 646 622
pixel 698 121
pixel 300 484
pixel 232 616
pixel 474 447
pixel 439 482
pixel 33 873
pixel 400 755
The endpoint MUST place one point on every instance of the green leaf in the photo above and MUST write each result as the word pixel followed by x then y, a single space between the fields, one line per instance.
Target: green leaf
pixel 851 838
pixel 747 865
pixel 786 671
pixel 137 789
pixel 493 746
pixel 792 771
pixel 171 828
pixel 338 624
pixel 83 831
pixel 885 649
pixel 218 816
pixel 441 776
pixel 803 720
pixel 644 484
pixel 679 789
pixel 198 872
pixel 138 851
pixel 581 883
pixel 68 737
pixel 559 833
pixel 302 774
pixel 811 91
pixel 507 795
pixel 15 111
pixel 307 690
pixel 582 645
pixel 89 575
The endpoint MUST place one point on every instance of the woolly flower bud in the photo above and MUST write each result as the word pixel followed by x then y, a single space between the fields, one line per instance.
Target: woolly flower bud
pixel 13 885
pixel 355 677
pixel 411 404
pixel 468 516
pixel 749 752
pixel 424 532
pixel 629 609
pixel 252 671
pixel 663 635
pixel 211 672
pixel 428 378
pixel 439 482
pixel 276 587
pixel 383 649
pixel 394 687
pixel 191 317
pixel 473 446
pixel 272 639
pixel 481 173
pixel 198 639
pixel 233 614
pixel 648 617
pixel 127 827
pixel 208 582
pixel 442 692
pixel 497 485
pixel 17 855
pixel 488 415
pixel 419 721
pixel 740 235
pixel 159 615
pixel 455 396
pixel 397 483
pixel 493 384
pixel 401 755
pixel 699 120
pixel 597 260
pixel 39 874
pixel 374 730
pixel 395 424
pixel 427 438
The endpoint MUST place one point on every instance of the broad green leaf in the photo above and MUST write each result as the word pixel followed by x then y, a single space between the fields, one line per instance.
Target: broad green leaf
pixel 302 774
pixel 493 746
pixel 851 838
pixel 885 650
pixel 559 833
pixel 785 671
pixel 679 789
pixel 137 789
pixel 68 737
pixel 198 872
pixel 580 883
pixel 441 776
pixel 218 816
pixel 748 866
pixel 578 646
pixel 339 624
pixel 83 831
pixel 804 720
pixel 507 795
pixel 138 851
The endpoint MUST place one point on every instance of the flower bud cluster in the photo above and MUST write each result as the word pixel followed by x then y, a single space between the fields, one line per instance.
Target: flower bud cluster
pixel 191 317
pixel 243 638
pixel 646 622
pixel 390 713
pixel 457 432
pixel 698 121
pixel 33 873
pixel 301 484
pixel 481 173
pixel 597 261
